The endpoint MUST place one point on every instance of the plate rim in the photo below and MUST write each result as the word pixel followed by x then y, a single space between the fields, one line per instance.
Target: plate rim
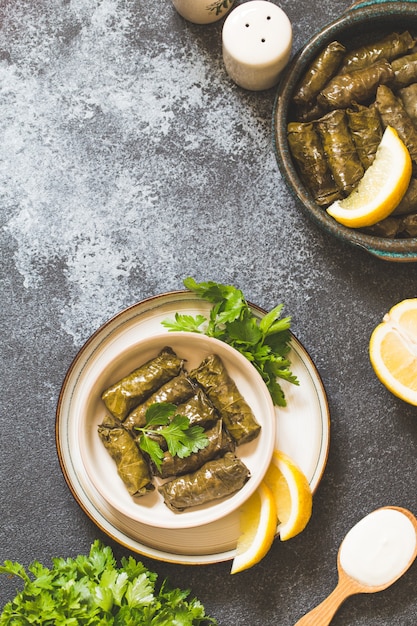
pixel 120 536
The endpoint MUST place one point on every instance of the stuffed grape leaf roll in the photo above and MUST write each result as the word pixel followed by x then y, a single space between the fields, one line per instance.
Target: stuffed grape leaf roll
pixel 214 480
pixel 340 150
pixel 389 47
pixel 307 151
pixel 221 389
pixel 393 113
pixel 176 390
pixel 134 388
pixel 405 70
pixel 408 97
pixel 408 202
pixel 366 130
pixel 219 442
pixel 358 86
pixel 199 409
pixel 320 71
pixel 130 462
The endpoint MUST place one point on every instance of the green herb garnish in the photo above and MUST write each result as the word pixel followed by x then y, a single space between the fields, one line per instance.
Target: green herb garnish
pixel 92 590
pixel 181 438
pixel 264 342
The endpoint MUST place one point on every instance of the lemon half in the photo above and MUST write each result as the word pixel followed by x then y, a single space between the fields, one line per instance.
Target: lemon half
pixel 258 525
pixel 393 350
pixel 381 188
pixel 292 493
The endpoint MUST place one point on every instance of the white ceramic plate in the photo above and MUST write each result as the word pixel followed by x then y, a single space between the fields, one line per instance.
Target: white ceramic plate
pixel 302 431
pixel 115 359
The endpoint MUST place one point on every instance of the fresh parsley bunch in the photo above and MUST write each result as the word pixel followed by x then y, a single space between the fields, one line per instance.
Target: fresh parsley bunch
pixel 181 438
pixel 264 342
pixel 91 590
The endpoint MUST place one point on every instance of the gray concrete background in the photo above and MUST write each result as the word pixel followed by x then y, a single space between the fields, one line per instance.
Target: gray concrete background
pixel 129 160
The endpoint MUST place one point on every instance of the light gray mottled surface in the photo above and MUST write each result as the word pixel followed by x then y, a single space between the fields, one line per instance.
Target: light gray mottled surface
pixel 129 160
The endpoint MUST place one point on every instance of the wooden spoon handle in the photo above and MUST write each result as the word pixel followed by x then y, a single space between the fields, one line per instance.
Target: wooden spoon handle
pixel 323 613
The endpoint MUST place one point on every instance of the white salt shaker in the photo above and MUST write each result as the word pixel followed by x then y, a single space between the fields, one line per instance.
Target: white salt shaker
pixel 203 11
pixel 257 40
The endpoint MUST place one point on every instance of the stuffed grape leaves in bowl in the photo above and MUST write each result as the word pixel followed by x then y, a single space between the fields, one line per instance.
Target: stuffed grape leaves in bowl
pixel 350 81
pixel 176 430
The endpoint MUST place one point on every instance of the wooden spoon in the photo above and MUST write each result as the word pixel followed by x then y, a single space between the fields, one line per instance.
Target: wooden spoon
pixel 348 586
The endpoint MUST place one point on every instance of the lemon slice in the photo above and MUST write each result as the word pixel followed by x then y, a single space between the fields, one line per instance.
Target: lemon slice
pixel 258 525
pixel 292 493
pixel 381 188
pixel 393 350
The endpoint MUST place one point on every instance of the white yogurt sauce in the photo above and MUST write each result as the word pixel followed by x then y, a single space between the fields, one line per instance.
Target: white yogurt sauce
pixel 378 548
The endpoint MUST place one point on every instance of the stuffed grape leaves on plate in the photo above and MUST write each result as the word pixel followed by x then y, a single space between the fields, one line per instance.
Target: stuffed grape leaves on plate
pixel 134 388
pixel 221 389
pixel 214 480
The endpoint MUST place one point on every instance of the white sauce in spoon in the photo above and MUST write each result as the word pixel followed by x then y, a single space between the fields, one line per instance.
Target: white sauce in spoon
pixel 379 547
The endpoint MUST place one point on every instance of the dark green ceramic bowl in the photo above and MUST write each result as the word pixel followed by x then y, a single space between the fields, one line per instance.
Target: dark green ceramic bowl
pixel 362 23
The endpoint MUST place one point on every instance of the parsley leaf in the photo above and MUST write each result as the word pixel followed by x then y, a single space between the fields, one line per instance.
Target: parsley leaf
pixel 93 590
pixel 181 438
pixel 264 342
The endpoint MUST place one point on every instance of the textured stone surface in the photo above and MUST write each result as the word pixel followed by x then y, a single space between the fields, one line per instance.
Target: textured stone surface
pixel 129 160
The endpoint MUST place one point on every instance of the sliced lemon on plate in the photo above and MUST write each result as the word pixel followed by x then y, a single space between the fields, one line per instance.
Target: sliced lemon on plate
pixel 284 497
pixel 393 350
pixel 258 525
pixel 380 189
pixel 292 493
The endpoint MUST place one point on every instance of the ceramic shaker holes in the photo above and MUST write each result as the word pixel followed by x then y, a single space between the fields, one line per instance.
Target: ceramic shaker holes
pixel 203 11
pixel 257 39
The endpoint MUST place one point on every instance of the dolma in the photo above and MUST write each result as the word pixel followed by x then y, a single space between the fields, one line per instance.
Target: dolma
pixel 320 71
pixel 233 409
pixel 219 442
pixel 405 70
pixel 387 228
pixel 389 47
pixel 340 150
pixel 176 390
pixel 215 479
pixel 408 202
pixel 307 151
pixel 408 97
pixel 130 463
pixel 409 225
pixel 393 113
pixel 366 130
pixel 134 388
pixel 199 410
pixel 308 112
pixel 358 86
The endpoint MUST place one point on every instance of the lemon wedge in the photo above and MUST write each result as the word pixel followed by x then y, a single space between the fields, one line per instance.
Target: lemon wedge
pixel 258 526
pixel 380 189
pixel 393 350
pixel 292 494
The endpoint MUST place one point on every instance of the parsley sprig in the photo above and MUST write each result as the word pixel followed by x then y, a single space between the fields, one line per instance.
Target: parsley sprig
pixel 181 438
pixel 264 342
pixel 93 591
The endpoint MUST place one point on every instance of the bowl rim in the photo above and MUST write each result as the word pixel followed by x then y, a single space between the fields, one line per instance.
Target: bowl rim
pixel 384 248
pixel 258 459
